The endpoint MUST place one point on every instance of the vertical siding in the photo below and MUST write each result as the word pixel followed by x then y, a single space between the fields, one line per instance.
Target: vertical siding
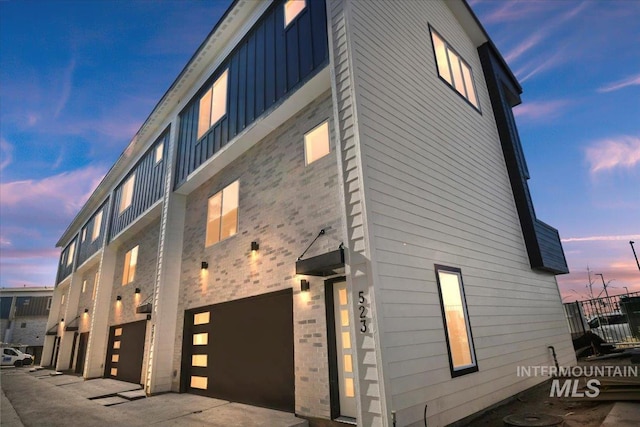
pixel 148 187
pixel 89 246
pixel 438 192
pixel 265 67
pixel 65 270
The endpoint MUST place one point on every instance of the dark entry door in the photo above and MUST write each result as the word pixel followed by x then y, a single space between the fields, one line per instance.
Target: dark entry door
pixel 82 351
pixel 242 351
pixel 126 351
pixel 54 356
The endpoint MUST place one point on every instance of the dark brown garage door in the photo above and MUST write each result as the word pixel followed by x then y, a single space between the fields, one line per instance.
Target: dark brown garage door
pixel 126 351
pixel 242 351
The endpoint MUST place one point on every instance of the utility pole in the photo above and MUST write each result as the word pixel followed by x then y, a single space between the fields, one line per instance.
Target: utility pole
pixel 631 242
pixel 590 285
pixel 603 284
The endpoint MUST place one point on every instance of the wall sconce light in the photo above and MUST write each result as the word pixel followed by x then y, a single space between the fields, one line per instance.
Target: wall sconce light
pixel 304 285
pixel 118 298
pixel 137 290
pixel 62 320
pixel 255 246
pixel 86 310
pixel 204 265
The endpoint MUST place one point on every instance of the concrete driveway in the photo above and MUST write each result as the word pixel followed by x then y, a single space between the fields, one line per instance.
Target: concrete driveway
pixel 40 399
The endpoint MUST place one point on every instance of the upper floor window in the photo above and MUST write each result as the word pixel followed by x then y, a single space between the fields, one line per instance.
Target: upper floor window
pixel 84 286
pixel 316 143
pixel 49 303
pixel 70 253
pixel 453 69
pixel 130 263
pixel 213 104
pixel 84 234
pixel 158 153
pixel 292 8
pixel 126 195
pixel 462 357
pixel 97 223
pixel 222 214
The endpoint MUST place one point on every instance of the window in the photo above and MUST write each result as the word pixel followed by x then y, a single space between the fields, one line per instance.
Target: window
pixel 158 153
pixel 84 234
pixel 316 143
pixel 126 195
pixel 213 104
pixel 462 358
pixel 62 300
pixel 97 224
pixel 453 69
pixel 222 214
pixel 70 253
pixel 292 8
pixel 130 263
pixel 84 286
pixel 49 303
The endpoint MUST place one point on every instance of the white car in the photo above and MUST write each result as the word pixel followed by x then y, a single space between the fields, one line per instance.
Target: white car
pixel 611 327
pixel 14 357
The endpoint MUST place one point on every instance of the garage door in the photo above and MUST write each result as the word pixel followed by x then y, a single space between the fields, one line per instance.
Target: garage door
pixel 126 351
pixel 242 351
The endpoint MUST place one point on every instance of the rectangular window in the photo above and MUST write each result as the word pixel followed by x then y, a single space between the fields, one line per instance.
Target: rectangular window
pixel 70 253
pixel 462 358
pixel 316 143
pixel 213 104
pixel 292 8
pixel 62 300
pixel 84 286
pixel 222 214
pixel 453 69
pixel 49 304
pixel 130 263
pixel 126 195
pixel 159 152
pixel 84 234
pixel 97 224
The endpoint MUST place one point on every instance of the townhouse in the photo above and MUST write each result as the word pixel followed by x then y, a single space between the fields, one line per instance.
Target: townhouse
pixel 327 213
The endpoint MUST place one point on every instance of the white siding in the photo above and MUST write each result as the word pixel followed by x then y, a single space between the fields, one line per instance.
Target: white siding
pixel 438 192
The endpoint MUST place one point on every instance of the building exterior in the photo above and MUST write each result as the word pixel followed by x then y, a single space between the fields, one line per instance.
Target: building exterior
pixel 327 213
pixel 23 318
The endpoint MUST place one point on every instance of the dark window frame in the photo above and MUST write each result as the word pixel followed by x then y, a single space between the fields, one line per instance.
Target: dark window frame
pixel 463 371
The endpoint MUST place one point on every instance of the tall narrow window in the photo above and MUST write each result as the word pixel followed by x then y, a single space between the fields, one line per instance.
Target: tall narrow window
pixel 462 358
pixel 71 253
pixel 316 143
pixel 213 104
pixel 159 152
pixel 84 286
pixel 130 263
pixel 84 233
pixel 126 195
pixel 97 224
pixel 453 69
pixel 292 8
pixel 222 214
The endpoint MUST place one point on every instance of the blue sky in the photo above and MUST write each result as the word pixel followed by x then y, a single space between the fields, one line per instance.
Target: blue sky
pixel 78 78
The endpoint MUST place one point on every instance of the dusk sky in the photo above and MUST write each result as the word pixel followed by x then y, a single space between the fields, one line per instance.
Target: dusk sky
pixel 78 78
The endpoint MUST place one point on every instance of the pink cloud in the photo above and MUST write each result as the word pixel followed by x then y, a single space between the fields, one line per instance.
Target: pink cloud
pixel 618 152
pixel 621 84
pixel 540 109
pixel 624 238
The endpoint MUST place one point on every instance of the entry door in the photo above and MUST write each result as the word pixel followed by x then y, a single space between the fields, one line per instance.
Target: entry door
pixel 126 352
pixel 344 350
pixel 56 349
pixel 82 351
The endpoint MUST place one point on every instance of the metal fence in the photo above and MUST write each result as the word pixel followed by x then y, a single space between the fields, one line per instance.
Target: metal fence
pixel 615 319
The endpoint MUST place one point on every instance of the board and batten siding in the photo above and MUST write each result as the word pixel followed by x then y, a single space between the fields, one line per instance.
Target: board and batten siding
pixel 268 64
pixel 65 266
pixel 147 190
pixel 89 245
pixel 438 192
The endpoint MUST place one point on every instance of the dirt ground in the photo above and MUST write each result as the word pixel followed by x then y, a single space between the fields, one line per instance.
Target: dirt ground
pixel 581 413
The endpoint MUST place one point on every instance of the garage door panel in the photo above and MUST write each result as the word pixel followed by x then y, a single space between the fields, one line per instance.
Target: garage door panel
pixel 249 351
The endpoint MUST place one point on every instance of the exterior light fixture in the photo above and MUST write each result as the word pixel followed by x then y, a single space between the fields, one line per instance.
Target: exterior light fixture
pixel 255 246
pixel 62 320
pixel 118 298
pixel 304 285
pixel 137 290
pixel 86 310
pixel 204 265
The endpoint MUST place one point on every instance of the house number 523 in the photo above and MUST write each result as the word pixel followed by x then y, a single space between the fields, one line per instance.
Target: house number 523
pixel 363 312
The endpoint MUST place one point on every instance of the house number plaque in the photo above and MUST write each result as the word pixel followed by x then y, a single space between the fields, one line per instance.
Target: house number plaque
pixel 363 312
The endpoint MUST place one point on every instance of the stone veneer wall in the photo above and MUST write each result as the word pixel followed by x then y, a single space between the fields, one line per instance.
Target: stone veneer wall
pixel 283 205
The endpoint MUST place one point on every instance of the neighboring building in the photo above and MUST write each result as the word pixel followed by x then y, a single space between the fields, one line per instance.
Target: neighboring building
pixel 327 213
pixel 23 318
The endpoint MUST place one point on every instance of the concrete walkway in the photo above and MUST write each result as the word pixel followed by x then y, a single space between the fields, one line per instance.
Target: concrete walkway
pixel 623 414
pixel 40 399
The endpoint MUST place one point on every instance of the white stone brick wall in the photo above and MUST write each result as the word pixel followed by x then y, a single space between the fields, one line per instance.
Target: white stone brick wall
pixel 33 332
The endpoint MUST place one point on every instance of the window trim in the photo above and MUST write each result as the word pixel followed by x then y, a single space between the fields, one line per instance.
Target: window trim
pixel 448 47
pixel 456 372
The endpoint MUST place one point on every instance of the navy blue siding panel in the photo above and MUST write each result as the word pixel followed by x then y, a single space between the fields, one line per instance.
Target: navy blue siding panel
pixel 90 246
pixel 147 190
pixel 265 67
pixel 65 267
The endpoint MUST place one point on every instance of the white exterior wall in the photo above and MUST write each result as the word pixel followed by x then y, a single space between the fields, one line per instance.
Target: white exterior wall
pixel 437 192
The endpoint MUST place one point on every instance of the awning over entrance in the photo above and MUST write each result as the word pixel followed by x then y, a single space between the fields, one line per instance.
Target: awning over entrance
pixel 329 264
